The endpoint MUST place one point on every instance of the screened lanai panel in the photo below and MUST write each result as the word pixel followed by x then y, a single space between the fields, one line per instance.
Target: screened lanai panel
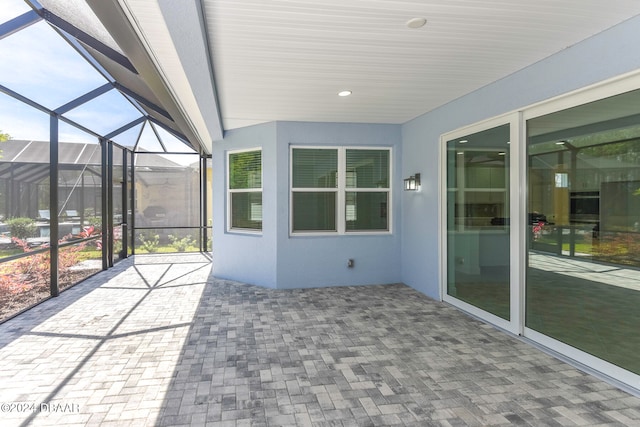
pixel 122 75
pixel 156 139
pixel 24 207
pixel 30 173
pixel 209 188
pixel 79 146
pixel 79 184
pixel 24 164
pixel 24 191
pixel 79 14
pixel 133 82
pixel 128 138
pixel 105 113
pixel 12 8
pixel 162 119
pixel 149 140
pixel 69 153
pixel 90 154
pixel 21 121
pixel 167 190
pixel 171 143
pixel 40 64
pixel 14 150
pixel 79 207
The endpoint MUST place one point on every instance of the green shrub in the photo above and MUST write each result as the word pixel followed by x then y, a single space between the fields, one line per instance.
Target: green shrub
pixel 181 244
pixel 22 228
pixel 149 242
pixel 95 222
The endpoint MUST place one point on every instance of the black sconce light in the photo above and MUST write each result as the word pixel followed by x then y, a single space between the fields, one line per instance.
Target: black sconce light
pixel 412 183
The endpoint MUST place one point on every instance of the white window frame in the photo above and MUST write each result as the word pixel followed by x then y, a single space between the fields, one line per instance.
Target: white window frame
pixel 341 189
pixel 231 191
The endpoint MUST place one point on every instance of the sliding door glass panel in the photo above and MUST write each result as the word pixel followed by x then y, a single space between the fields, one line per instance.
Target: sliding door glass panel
pixel 478 220
pixel 584 228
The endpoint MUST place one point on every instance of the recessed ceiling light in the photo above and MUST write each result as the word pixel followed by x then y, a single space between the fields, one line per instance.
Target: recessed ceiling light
pixel 416 22
pixel 463 141
pixel 344 93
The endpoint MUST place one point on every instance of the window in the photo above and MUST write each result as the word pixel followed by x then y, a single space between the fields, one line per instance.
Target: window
pixel 340 190
pixel 245 190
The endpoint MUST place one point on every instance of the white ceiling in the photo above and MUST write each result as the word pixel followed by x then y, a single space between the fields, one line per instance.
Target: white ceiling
pixel 287 59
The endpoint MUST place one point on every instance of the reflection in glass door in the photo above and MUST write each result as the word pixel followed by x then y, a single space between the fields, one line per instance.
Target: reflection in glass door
pixel 583 254
pixel 477 219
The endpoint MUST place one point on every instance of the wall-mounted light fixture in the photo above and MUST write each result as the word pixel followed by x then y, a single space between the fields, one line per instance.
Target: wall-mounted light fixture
pixel 412 183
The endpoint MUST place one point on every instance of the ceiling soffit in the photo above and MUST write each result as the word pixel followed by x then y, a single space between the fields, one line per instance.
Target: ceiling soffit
pixel 287 60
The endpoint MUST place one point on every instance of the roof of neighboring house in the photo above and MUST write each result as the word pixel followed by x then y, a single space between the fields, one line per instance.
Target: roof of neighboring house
pixel 28 161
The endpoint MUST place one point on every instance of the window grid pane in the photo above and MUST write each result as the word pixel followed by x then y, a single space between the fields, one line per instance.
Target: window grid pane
pixel 314 211
pixel 246 210
pixel 315 168
pixel 245 170
pixel 367 168
pixel 366 211
pixel 245 190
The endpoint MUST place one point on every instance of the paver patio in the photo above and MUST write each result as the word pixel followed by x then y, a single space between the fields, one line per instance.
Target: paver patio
pixel 158 341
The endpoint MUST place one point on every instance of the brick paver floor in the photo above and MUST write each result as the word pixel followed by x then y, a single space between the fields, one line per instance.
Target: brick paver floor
pixel 158 341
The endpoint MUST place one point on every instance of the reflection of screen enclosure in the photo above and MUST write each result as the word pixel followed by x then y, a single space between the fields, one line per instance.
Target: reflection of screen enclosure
pixel 620 205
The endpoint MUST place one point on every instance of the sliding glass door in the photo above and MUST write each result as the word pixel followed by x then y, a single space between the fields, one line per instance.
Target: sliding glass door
pixel 478 221
pixel 540 225
pixel 584 236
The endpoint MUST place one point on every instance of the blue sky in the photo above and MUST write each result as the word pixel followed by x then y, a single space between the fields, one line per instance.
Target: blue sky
pixel 45 68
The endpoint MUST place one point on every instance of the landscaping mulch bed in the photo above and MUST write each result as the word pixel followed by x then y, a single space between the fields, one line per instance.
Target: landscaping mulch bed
pixel 13 303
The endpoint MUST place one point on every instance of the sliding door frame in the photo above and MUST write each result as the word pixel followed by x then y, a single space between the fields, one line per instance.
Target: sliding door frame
pixel 519 227
pixel 612 87
pixel 516 216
